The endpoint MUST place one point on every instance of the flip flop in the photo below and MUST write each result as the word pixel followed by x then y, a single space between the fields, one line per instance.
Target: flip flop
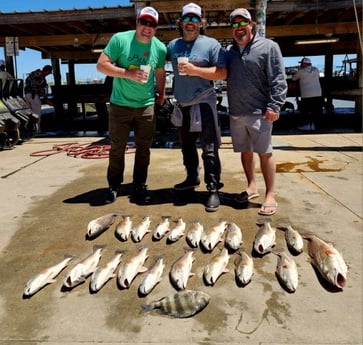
pixel 244 197
pixel 273 208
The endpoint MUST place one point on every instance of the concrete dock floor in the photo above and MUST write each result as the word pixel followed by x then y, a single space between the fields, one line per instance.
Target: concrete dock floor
pixel 47 202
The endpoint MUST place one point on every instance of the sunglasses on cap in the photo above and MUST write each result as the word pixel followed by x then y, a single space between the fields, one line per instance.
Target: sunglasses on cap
pixel 193 19
pixel 149 23
pixel 243 22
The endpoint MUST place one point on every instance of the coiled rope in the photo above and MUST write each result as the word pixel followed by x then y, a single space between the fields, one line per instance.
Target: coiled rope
pixel 77 150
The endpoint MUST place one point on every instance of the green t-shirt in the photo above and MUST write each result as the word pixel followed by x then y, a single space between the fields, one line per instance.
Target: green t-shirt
pixel 126 52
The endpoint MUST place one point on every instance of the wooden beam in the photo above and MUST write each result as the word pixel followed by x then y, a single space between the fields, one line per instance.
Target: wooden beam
pixel 167 34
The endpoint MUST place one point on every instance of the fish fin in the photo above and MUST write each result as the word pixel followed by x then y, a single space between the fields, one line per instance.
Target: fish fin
pixel 143 269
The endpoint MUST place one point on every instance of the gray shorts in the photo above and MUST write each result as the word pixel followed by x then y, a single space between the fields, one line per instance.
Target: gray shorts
pixel 251 133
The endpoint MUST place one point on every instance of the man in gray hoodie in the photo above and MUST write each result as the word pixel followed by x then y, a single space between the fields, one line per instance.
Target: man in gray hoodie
pixel 256 90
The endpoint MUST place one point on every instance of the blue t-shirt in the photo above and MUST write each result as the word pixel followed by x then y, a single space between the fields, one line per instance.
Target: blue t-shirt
pixel 127 52
pixel 203 52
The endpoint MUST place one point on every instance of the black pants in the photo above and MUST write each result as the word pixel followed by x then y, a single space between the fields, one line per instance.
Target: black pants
pixel 311 109
pixel 209 144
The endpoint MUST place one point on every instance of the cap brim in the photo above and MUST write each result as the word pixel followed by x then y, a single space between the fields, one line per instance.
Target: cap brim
pixel 146 16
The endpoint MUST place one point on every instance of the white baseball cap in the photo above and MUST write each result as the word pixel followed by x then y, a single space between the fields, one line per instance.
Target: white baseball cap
pixel 192 9
pixel 240 12
pixel 149 12
pixel 305 60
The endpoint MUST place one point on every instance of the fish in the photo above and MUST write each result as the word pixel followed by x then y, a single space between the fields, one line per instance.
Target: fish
pixel 46 276
pixel 132 267
pixel 216 267
pixel 194 234
pixel 180 271
pixel 233 236
pixel 244 267
pixel 265 237
pixel 123 228
pixel 182 304
pixel 327 260
pixel 293 238
pixel 178 230
pixel 141 229
pixel 212 237
pixel 162 228
pixel 100 224
pixel 152 276
pixel 79 273
pixel 286 270
pixel 105 272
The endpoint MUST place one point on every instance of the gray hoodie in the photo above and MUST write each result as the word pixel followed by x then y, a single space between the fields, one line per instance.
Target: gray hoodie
pixel 256 78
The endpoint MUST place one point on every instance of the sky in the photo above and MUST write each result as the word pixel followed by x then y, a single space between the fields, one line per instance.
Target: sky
pixel 29 60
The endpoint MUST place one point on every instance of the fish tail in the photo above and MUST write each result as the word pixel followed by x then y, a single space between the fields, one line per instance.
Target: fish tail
pixel 263 221
pixel 145 308
pixel 308 235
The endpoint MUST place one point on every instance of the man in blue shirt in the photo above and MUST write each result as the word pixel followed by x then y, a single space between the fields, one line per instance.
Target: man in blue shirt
pixel 195 114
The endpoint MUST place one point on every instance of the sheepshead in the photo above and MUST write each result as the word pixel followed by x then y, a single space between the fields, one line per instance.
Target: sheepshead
pixel 194 234
pixel 131 268
pixel 181 269
pixel 327 260
pixel 233 236
pixel 152 276
pixel 177 231
pixel 293 238
pixel 286 270
pixel 79 273
pixel 123 228
pixel 210 238
pixel 105 272
pixel 244 267
pixel 182 304
pixel 141 229
pixel 265 237
pixel 100 224
pixel 46 276
pixel 162 228
pixel 216 267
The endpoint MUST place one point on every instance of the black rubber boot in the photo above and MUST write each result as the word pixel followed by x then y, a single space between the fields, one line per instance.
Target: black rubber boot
pixel 213 201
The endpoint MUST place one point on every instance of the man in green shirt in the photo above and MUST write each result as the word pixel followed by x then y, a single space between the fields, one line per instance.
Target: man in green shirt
pixel 132 99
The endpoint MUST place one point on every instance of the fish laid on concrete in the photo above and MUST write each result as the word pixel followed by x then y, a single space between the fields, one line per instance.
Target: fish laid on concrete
pixel 327 260
pixel 233 236
pixel 212 237
pixel 216 267
pixel 293 238
pixel 177 231
pixel 131 268
pixel 265 237
pixel 152 276
pixel 182 304
pixel 286 270
pixel 181 269
pixel 141 229
pixel 244 267
pixel 105 272
pixel 100 224
pixel 46 276
pixel 194 234
pixel 162 228
pixel 79 273
pixel 123 228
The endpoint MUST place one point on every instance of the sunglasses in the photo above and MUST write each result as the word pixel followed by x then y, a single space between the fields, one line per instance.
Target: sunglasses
pixel 145 22
pixel 235 25
pixel 193 19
